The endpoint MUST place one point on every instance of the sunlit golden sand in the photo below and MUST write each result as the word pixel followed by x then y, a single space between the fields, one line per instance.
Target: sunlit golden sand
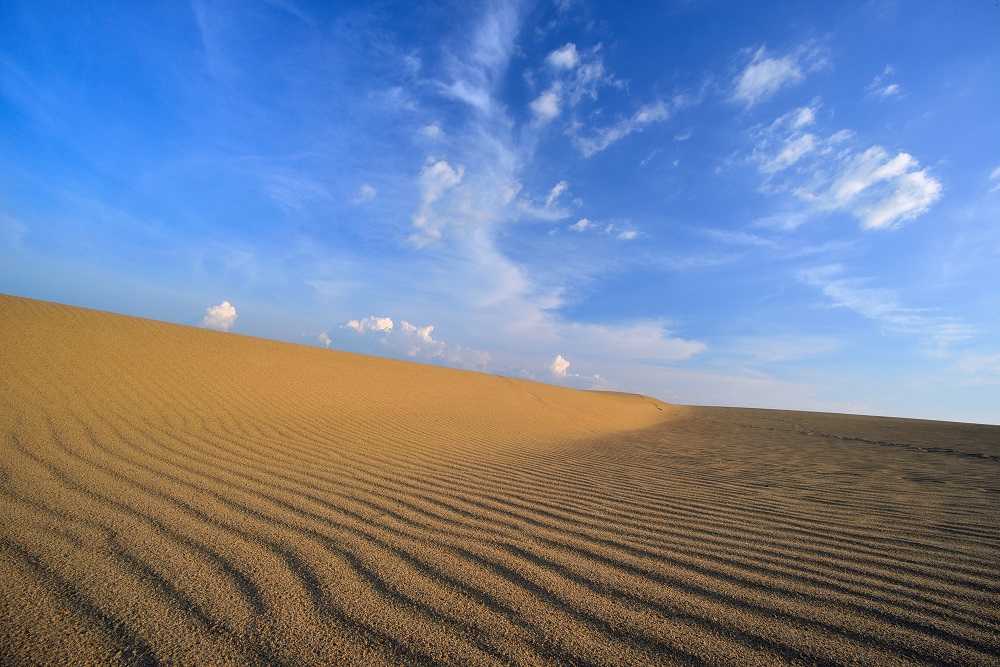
pixel 170 495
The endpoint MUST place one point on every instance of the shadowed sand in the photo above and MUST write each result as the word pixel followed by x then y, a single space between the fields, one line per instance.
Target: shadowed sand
pixel 170 495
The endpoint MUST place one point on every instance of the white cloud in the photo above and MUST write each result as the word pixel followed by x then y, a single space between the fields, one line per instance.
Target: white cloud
pixel 881 190
pixel 995 176
pixel 558 365
pixel 418 343
pixel 564 58
pixel 221 317
pixel 879 88
pixel 436 177
pixel 604 137
pixel 621 230
pixel 366 193
pixel 370 324
pixel 938 333
pixel 324 338
pixel 763 76
pixel 432 131
pixel 546 106
pixel 554 194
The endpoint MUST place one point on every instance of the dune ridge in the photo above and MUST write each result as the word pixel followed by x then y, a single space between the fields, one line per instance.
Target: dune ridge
pixel 170 495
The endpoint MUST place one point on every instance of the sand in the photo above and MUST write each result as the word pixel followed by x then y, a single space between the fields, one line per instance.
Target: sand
pixel 170 495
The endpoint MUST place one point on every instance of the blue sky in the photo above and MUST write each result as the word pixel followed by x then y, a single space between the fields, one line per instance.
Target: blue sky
pixel 775 204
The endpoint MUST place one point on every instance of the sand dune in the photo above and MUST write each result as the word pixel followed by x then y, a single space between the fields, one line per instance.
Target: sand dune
pixel 171 495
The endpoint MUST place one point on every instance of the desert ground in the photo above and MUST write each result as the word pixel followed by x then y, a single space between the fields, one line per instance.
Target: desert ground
pixel 171 495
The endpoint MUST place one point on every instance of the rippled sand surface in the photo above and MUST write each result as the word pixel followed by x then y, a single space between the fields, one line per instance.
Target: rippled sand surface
pixel 170 495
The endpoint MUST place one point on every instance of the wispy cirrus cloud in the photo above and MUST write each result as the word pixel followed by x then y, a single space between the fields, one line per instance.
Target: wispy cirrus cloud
pixel 881 88
pixel 764 74
pixel 939 333
pixel 598 139
pixel 825 171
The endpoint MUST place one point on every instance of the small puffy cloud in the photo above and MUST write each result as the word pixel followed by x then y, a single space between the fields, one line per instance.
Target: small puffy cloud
pixel 546 106
pixel 581 225
pixel 366 193
pixel 558 365
pixel 765 75
pixel 416 342
pixel 370 324
pixel 221 317
pixel 627 235
pixel 324 339
pixel 564 58
pixel 559 369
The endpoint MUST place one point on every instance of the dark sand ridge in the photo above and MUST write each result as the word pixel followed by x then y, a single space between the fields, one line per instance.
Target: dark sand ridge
pixel 170 495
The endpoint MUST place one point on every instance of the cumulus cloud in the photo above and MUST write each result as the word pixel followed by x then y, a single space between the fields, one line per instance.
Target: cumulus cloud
pixel 558 365
pixel 765 75
pixel 221 317
pixel 559 369
pixel 370 324
pixel 416 342
pixel 324 338
pixel 581 225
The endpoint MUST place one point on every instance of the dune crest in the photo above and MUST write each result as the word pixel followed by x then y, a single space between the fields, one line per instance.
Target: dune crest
pixel 172 495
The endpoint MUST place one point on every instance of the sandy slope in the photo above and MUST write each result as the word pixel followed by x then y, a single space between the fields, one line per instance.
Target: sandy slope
pixel 176 496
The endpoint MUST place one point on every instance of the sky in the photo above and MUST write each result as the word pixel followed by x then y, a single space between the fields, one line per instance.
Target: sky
pixel 771 204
